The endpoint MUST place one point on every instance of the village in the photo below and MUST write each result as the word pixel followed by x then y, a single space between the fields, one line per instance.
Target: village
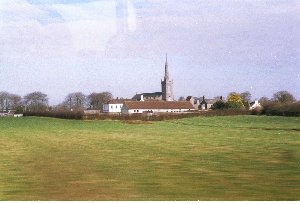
pixel 163 102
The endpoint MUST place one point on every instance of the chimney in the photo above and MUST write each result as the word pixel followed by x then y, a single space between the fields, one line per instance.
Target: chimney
pixel 142 97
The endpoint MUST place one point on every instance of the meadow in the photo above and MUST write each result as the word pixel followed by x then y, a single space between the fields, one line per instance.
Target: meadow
pixel 202 158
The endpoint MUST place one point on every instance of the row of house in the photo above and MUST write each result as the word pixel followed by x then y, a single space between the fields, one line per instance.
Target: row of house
pixel 132 106
pixel 203 103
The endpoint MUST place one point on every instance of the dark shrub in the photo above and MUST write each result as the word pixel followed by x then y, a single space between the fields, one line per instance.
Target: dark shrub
pixel 280 109
pixel 219 105
pixel 256 111
pixel 77 115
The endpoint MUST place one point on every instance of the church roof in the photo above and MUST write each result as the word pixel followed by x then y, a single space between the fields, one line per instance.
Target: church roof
pixel 138 96
pixel 159 105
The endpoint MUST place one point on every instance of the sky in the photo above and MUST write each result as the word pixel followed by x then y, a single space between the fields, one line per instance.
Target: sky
pixel 214 46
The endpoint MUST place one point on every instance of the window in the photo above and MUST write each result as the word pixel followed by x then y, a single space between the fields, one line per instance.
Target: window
pixel 111 107
pixel 137 111
pixel 116 106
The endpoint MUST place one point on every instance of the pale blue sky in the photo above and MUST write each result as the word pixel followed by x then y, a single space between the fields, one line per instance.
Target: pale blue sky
pixel 214 47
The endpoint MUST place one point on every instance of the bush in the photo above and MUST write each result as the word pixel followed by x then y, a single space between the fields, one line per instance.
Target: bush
pixel 279 109
pixel 219 105
pixel 166 116
pixel 256 111
pixel 77 115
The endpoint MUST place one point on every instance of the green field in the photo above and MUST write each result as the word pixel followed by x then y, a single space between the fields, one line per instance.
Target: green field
pixel 205 158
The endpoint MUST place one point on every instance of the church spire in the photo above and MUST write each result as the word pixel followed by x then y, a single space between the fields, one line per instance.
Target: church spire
pixel 167 84
pixel 166 68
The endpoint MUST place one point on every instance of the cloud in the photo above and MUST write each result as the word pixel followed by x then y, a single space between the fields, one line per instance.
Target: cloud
pixel 28 32
pixel 255 31
pixel 18 10
pixel 90 24
pixel 93 24
pixel 223 32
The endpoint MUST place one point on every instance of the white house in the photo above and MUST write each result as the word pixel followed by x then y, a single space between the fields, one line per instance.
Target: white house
pixel 18 115
pixel 155 106
pixel 254 105
pixel 114 106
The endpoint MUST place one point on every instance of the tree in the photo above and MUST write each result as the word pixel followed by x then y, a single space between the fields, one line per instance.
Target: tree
pixel 75 101
pixel 234 101
pixel 219 105
pixel 96 100
pixel 246 96
pixel 4 101
pixel 36 101
pixel 283 97
pixel 15 101
pixel 263 100
pixel 9 101
pixel 181 98
pixel 246 99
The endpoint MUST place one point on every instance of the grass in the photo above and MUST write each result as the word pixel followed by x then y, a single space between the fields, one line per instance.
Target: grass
pixel 205 158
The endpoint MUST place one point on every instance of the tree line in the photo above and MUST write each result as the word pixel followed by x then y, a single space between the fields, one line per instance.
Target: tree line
pixel 243 100
pixel 281 103
pixel 38 102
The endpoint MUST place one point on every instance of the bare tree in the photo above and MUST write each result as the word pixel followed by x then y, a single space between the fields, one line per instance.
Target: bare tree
pixel 246 99
pixel 4 101
pixel 9 101
pixel 246 96
pixel 75 101
pixel 283 97
pixel 264 100
pixel 36 101
pixel 15 101
pixel 96 100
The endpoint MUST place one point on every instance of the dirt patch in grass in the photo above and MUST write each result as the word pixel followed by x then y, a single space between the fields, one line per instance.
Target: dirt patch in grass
pixel 134 122
pixel 282 129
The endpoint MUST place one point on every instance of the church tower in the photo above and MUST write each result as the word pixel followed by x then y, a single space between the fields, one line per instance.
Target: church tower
pixel 167 84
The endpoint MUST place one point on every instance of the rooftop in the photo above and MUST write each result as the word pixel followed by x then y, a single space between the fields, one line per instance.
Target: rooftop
pixel 158 105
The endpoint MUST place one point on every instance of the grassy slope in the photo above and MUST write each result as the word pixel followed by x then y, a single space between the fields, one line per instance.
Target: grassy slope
pixel 213 158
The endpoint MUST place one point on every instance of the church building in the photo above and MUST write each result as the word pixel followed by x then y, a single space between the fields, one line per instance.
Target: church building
pixel 153 103
pixel 166 93
pixel 167 85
